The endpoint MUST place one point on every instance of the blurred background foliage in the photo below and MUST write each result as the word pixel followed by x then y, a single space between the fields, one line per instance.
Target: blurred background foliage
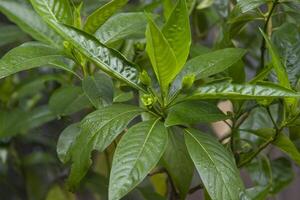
pixel 30 121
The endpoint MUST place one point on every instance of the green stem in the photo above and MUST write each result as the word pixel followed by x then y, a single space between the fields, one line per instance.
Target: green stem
pixel 265 29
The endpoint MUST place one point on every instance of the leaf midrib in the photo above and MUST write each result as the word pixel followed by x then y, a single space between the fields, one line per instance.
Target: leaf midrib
pixel 214 164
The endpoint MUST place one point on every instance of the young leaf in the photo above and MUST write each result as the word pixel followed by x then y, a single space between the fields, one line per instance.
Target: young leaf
pixel 178 34
pixel 198 111
pixel 216 166
pixel 97 18
pixel 25 17
pixel 66 140
pixel 161 55
pixel 99 89
pixel 247 91
pixel 121 26
pixel 177 162
pixel 68 100
pixel 98 130
pixel 278 66
pixel 109 60
pixel 136 155
pixel 31 55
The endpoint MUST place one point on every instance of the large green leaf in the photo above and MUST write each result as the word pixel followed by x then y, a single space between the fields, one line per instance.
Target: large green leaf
pixel 68 100
pixel 178 34
pixel 277 64
pixel 161 55
pixel 109 60
pixel 98 17
pixel 98 130
pixel 247 91
pixel 31 55
pixel 66 140
pixel 216 166
pixel 99 89
pixel 121 26
pixel 178 162
pixel 283 142
pixel 59 9
pixel 25 17
pixel 193 112
pixel 136 155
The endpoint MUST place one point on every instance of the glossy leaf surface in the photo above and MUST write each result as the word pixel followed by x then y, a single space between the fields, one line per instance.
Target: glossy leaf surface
pixel 216 166
pixel 161 55
pixel 136 155
pixel 31 55
pixel 98 17
pixel 98 130
pixel 247 91
pixel 109 60
pixel 177 33
pixel 121 26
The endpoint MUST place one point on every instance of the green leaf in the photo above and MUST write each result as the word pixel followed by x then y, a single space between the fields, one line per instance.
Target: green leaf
pixel 25 17
pixel 246 91
pixel 208 64
pixel 247 5
pixel 10 34
pixel 31 55
pixel 193 112
pixel 278 66
pixel 99 89
pixel 98 17
pixel 65 142
pixel 161 55
pixel 109 60
pixel 216 166
pixel 286 39
pixel 282 142
pixel 136 155
pixel 212 63
pixel 177 162
pixel 122 26
pixel 59 10
pixel 98 130
pixel 177 33
pixel 258 192
pixel 68 100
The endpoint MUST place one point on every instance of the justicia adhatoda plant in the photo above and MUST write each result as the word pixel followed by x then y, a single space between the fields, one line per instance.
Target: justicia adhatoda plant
pixel 175 93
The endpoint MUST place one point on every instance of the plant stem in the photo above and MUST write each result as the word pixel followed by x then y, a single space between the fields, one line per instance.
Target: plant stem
pixel 196 188
pixel 265 29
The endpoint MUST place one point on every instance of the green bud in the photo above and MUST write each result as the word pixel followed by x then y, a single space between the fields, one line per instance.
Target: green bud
pixel 148 100
pixel 188 81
